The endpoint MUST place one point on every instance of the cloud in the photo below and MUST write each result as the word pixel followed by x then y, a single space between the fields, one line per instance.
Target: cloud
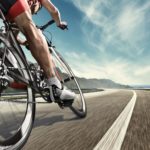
pixel 128 21
pixel 83 66
pixel 131 22
pixel 116 23
pixel 143 71
pixel 117 31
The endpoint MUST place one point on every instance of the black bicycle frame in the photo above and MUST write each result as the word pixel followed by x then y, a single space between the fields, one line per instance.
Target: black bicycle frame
pixel 15 48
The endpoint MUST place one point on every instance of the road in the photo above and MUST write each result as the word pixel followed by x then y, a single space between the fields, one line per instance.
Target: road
pixel 56 129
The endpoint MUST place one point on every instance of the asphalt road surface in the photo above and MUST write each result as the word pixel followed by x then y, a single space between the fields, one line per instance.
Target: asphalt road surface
pixel 56 129
pixel 138 133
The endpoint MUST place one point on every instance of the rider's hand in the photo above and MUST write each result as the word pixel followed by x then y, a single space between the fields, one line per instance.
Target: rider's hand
pixel 63 25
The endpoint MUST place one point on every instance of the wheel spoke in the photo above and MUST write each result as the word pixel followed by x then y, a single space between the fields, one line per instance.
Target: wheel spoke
pixel 17 106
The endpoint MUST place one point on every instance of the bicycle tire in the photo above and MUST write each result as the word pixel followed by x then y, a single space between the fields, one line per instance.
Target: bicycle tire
pixel 15 139
pixel 80 111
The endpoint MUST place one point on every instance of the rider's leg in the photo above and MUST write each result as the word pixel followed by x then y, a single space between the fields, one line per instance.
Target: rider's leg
pixel 40 51
pixel 19 11
pixel 37 43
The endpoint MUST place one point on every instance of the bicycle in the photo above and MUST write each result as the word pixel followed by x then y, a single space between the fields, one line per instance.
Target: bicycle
pixel 18 105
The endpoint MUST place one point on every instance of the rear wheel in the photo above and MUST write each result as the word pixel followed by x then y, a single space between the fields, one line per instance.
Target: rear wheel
pixel 17 108
pixel 65 74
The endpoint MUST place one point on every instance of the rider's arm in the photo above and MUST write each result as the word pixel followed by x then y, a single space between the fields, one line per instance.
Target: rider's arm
pixel 52 10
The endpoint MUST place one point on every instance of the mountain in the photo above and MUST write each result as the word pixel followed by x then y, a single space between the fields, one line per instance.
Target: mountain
pixel 141 86
pixel 99 83
pixel 91 83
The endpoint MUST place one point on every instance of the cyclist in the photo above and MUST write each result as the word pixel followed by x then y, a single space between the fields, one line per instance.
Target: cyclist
pixel 20 11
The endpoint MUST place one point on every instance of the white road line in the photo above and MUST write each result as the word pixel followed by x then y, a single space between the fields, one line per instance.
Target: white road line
pixel 114 137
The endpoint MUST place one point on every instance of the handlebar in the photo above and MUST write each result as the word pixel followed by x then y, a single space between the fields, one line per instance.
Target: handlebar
pixel 46 25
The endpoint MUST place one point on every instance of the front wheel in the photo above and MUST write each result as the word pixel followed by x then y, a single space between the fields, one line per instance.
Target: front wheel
pixel 67 77
pixel 17 107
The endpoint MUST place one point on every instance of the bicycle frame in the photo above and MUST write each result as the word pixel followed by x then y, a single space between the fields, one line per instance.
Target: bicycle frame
pixel 15 48
pixel 24 73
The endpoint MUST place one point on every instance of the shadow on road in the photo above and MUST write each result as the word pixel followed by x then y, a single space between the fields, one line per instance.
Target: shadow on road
pixel 47 121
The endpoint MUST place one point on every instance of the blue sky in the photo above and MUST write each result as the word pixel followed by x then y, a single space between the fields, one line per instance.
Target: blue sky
pixel 106 38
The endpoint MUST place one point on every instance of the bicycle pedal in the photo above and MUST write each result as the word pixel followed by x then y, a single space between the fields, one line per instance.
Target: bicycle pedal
pixel 65 103
pixel 68 103
pixel 60 104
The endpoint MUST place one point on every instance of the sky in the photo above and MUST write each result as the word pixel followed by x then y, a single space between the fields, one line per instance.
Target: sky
pixel 107 39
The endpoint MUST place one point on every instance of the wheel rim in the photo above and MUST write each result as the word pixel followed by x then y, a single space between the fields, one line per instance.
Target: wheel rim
pixel 79 105
pixel 69 81
pixel 16 106
pixel 15 118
